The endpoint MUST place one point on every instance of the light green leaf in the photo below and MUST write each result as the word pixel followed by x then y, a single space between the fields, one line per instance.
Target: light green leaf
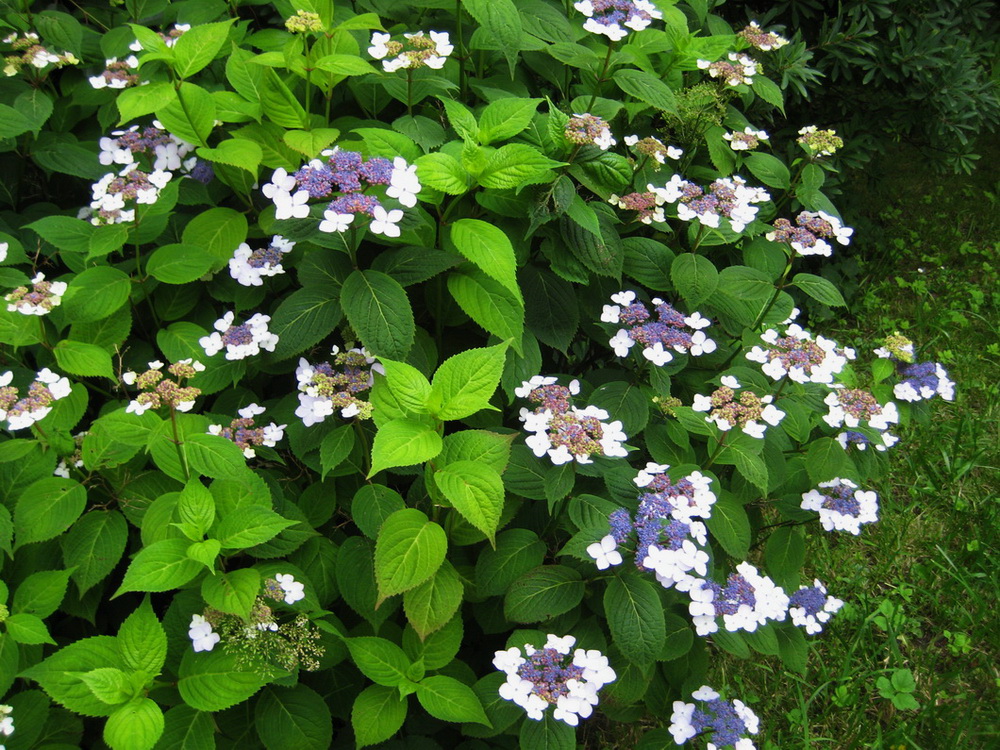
pixel 505 118
pixel 345 65
pixel 377 714
pixel 381 661
pixel 433 603
pixel 236 152
pixel 214 681
pixel 310 142
pixel 476 491
pixel 408 551
pixel 41 593
pixel 515 165
pixel 47 508
pixel 198 46
pixel 249 526
pixel 543 593
pixel 140 101
pixel 501 21
pixel 142 642
pixel 234 592
pixel 489 249
pixel 491 305
pixel 647 88
pixel 96 293
pixel 27 629
pixel 335 448
pixel 135 726
pixel 442 172
pixel 191 116
pixel 160 566
pixel 86 360
pixel 410 387
pixel 403 442
pixel 819 289
pixel 216 457
pixel 109 685
pixel 465 382
pixel 218 231
pixel 448 699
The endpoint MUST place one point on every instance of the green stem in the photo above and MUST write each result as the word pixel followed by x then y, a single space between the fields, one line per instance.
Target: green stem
pixel 409 91
pixel 777 292
pixel 461 50
pixel 178 443
pixel 699 237
pixel 718 450
pixel 365 451
pixel 600 78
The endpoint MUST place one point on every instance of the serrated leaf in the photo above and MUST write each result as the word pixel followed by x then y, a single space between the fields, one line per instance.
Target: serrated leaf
pixel 160 566
pixel 635 617
pixel 234 592
pixel 379 311
pixel 214 681
pixel 377 714
pixel 87 360
pixel 142 642
pixel 381 661
pixel 492 306
pixel 730 526
pixel 646 88
pixel 94 545
pixel 448 699
pixel 694 276
pixel 294 718
pixel 403 442
pixel 543 593
pixel 408 551
pixel 476 491
pixel 432 604
pixel 47 508
pixel 489 249
pixel 465 382
pixel 819 289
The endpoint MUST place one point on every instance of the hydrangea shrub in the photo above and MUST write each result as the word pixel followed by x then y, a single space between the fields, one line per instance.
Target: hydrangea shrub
pixel 389 373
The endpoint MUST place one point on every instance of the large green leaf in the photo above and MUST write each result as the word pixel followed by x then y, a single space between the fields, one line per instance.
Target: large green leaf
pixel 379 311
pixel 408 551
pixel 94 545
pixel 501 21
pixel 47 508
pixel 489 249
pixel 491 305
pixel 543 593
pixel 465 382
pixel 215 680
pixel 694 277
pixel 294 718
pixel 135 726
pixel 160 566
pixel 432 604
pixel 635 617
pixel 377 714
pixel 403 442
pixel 476 490
pixel 448 699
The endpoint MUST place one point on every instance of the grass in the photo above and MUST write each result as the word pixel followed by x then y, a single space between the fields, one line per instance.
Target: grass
pixel 921 584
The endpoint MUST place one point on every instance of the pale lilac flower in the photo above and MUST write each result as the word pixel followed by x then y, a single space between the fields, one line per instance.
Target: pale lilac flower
pixel 326 387
pixel 740 69
pixel 605 552
pixel 294 590
pixel 727 197
pixel 40 299
pixel 747 601
pixel 799 356
pixel 201 634
pixel 670 332
pixel 613 18
pixel 386 222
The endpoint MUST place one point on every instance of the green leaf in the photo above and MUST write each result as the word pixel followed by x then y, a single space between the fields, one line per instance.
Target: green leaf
pixel 730 526
pixel 410 386
pixel 492 306
pixel 41 593
pixel 769 91
pixel 769 169
pixel 218 231
pixel 303 318
pixel 235 152
pixel 135 726
pixel 381 661
pixel 310 142
pixel 109 685
pixel 96 293
pixel 249 526
pixel 515 165
pixel 487 448
pixel 140 101
pixel 408 551
pixel 377 714
pixel 294 718
pixel 142 642
pixel 743 453
pixel 197 47
pixel 476 491
pixel 505 118
pixel 635 617
pixel 465 382
pixel 433 603
pixel 160 566
pixel 603 255
pixel 234 592
pixel 517 551
pixel 825 460
pixel 784 555
pixel 93 546
pixel 372 504
pixel 448 699
pixel 214 456
pixel 356 580
pixel 345 65
pixel 64 232
pixel 694 276
pixel 442 172
pixel 489 249
pixel 551 308
pixel 793 649
pixel 12 122
pixel 196 506
pixel 501 21
pixel 86 360
pixel 187 729
pixel 47 508
pixel 104 241
pixel 380 313
pixel 191 116
pixel 214 681
pixel 335 448
pixel 27 629
pixel 819 289
pixel 547 734
pixel 646 88
pixel 59 673
pixel 543 593
pixel 403 442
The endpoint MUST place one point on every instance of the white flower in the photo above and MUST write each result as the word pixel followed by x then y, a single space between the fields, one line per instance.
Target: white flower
pixel 403 183
pixel 621 343
pixel 201 635
pixel 657 354
pixel 294 591
pixel 291 206
pixel 334 222
pixel 605 552
pixel 378 48
pixel 385 222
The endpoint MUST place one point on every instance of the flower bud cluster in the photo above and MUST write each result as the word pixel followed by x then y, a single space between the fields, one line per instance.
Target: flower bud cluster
pixel 748 411
pixel 841 505
pixel 40 299
pixel 249 267
pixel 261 637
pixel 646 205
pixel 23 411
pixel 757 38
pixel 550 677
pixel 738 69
pixel 117 74
pixel 608 17
pixel 587 129
pixel 809 235
pixel 727 197
pixel 799 356
pixel 326 387
pixel 820 142
pixel 728 721
pixel 29 52
pixel 747 601
pixel 653 148
pixel 246 434
pixel 239 341
pixel 747 140
pixel 304 22
pixel 670 331
pixel 811 608
pixel 563 431
pixel 418 51
pixel 159 391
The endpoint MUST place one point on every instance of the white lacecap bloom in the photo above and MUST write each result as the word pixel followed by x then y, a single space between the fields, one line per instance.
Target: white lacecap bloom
pixel 386 222
pixel 201 634
pixel 605 553
pixel 810 607
pixel 841 505
pixel 239 341
pixel 294 591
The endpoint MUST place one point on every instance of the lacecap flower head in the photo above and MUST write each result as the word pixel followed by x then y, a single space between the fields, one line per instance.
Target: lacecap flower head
pixel 799 356
pixel 247 434
pixel 159 391
pixel 326 387
pixel 40 299
pixel 759 39
pixel 747 601
pixel 670 331
pixel 249 267
pixel 549 676
pixel 725 723
pixel 728 197
pixel 841 505
pixel 242 340
pixel 23 411
pixel 737 69
pixel 416 51
pixel 563 431
pixel 810 607
pixel 809 235
pixel 748 411
pixel 653 148
pixel 589 129
pixel 614 18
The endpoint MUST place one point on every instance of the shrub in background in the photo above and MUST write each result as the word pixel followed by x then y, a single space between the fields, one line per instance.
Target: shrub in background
pixel 413 369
